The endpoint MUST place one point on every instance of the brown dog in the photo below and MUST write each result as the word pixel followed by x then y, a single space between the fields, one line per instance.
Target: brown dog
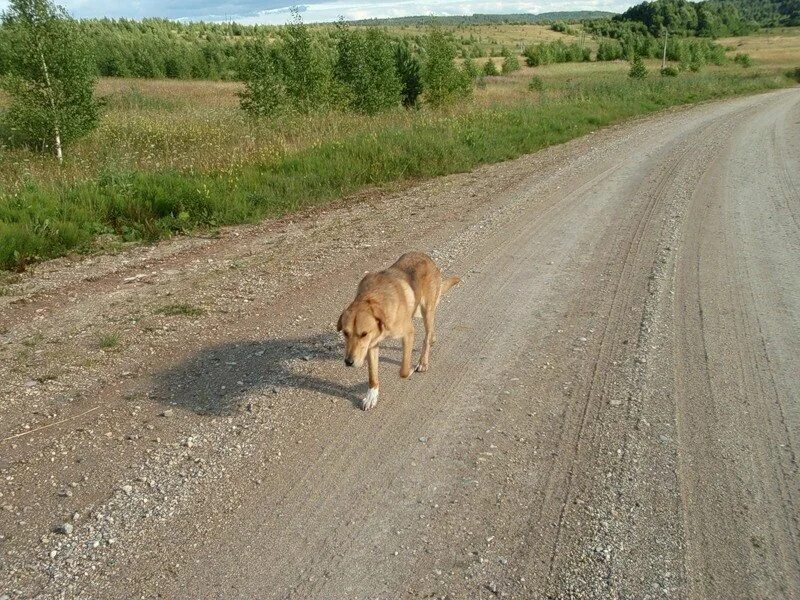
pixel 385 304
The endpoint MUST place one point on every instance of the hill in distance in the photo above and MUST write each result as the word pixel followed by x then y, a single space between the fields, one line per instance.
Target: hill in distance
pixel 485 19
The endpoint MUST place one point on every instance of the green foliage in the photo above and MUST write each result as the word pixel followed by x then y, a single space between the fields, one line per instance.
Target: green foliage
pixel 638 70
pixel 409 71
pixel 295 73
pixel 490 69
pixel 49 77
pixel 609 50
pixel 470 68
pixel 794 74
pixel 442 80
pixel 510 64
pixel 743 59
pixel 366 68
pixel 634 39
pixel 669 71
pixel 712 18
pixel 536 84
pixel 562 27
pixel 545 53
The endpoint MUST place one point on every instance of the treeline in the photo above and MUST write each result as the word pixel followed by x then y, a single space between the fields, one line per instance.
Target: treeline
pixel 157 48
pixel 488 19
pixel 690 52
pixel 357 69
pixel 711 18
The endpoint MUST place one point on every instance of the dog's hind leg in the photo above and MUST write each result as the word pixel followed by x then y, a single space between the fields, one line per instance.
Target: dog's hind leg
pixel 428 314
pixel 371 398
pixel 408 348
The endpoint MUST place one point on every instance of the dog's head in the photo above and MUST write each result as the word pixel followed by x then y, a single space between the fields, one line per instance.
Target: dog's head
pixel 362 324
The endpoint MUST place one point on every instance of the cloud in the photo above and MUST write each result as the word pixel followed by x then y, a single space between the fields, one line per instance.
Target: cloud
pixel 277 11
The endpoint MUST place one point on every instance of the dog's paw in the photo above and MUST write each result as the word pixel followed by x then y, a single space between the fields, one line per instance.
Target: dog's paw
pixel 406 374
pixel 421 368
pixel 370 400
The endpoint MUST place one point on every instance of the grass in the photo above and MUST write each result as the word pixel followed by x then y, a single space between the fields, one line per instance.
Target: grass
pixel 186 310
pixel 174 157
pixel 108 341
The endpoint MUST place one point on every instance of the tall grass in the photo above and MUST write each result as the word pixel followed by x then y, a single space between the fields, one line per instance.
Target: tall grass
pixel 39 220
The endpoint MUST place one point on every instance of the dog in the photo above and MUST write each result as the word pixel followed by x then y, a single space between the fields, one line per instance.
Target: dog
pixel 385 304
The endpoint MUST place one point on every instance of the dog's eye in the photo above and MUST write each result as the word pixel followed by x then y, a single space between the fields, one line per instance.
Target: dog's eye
pixel 345 334
pixel 363 334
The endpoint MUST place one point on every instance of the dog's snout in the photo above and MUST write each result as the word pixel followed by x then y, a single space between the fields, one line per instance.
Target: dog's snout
pixel 349 361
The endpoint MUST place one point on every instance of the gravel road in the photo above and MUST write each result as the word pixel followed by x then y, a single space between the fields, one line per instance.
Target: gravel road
pixel 611 410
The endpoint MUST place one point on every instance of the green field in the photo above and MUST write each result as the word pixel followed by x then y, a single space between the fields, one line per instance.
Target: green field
pixel 174 156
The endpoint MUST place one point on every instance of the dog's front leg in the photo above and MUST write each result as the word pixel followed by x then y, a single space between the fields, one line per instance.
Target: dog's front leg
pixel 408 347
pixel 371 398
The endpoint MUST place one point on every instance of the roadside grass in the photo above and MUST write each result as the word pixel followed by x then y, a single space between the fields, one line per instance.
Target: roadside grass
pixel 185 310
pixel 156 169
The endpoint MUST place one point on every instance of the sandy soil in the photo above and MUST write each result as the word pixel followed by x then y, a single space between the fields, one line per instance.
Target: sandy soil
pixel 611 411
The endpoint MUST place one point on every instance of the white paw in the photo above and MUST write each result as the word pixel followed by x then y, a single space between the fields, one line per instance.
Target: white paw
pixel 370 400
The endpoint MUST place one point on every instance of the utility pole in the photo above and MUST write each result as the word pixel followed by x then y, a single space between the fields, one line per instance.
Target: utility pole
pixel 664 58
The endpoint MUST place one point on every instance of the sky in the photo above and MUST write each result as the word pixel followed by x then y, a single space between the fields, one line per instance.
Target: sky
pixel 277 11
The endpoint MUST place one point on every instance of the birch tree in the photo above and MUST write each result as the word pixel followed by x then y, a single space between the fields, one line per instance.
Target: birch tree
pixel 50 78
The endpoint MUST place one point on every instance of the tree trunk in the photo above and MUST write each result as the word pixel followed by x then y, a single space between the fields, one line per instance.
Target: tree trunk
pixel 664 58
pixel 56 128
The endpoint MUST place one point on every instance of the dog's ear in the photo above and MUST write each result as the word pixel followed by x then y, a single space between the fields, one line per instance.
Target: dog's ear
pixel 380 316
pixel 339 323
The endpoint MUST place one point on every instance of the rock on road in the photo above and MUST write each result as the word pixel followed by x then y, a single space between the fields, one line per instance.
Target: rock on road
pixel 611 411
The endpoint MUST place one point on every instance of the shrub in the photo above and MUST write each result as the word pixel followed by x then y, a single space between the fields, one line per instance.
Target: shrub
pixel 536 84
pixel 743 59
pixel 510 64
pixel 366 69
pixel 794 74
pixel 545 53
pixel 442 80
pixel 470 68
pixel 410 73
pixel 294 73
pixel 490 69
pixel 669 71
pixel 609 50
pixel 638 70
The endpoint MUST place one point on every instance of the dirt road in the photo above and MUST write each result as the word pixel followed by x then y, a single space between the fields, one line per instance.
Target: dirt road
pixel 611 411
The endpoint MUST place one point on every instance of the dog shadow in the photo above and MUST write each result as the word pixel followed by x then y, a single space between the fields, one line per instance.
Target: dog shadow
pixel 215 380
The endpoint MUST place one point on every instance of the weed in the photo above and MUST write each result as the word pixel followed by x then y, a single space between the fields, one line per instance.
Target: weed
pixel 108 341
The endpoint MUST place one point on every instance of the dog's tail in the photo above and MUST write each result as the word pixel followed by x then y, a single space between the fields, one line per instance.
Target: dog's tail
pixel 448 283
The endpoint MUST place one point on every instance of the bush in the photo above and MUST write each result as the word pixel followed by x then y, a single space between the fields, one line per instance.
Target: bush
pixel 669 71
pixel 295 73
pixel 442 80
pixel 490 69
pixel 743 59
pixel 510 64
pixel 470 68
pixel 609 50
pixel 545 53
pixel 536 84
pixel 366 69
pixel 638 70
pixel 794 74
pixel 410 73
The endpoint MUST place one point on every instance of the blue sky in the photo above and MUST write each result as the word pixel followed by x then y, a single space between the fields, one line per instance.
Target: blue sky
pixel 277 11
